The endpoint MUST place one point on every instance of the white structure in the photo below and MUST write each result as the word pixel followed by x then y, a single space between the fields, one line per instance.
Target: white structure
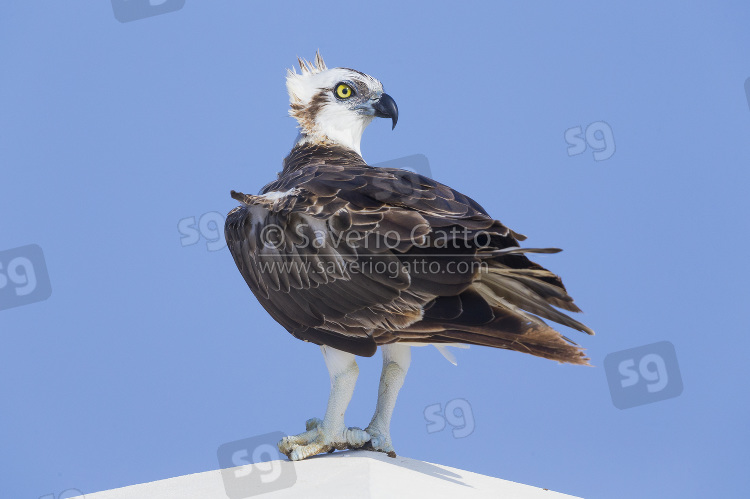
pixel 351 474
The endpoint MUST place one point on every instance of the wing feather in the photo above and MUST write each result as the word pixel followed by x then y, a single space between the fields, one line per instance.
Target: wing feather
pixel 343 268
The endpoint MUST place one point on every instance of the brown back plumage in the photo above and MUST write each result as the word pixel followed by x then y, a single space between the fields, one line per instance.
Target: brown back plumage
pixel 351 256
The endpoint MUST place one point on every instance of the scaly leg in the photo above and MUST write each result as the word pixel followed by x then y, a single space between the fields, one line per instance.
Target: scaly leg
pixel 396 360
pixel 330 434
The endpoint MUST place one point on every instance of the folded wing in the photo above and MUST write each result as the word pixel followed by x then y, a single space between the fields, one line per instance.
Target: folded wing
pixel 351 256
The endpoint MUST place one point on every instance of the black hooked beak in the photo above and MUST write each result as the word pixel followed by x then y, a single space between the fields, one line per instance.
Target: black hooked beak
pixel 386 107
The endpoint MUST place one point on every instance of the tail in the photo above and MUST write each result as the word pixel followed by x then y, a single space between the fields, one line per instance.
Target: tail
pixel 504 307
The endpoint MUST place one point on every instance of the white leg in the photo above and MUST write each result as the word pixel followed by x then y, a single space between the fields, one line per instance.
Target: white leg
pixel 330 434
pixel 396 361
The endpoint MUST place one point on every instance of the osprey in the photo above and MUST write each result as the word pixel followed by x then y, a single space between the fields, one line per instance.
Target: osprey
pixel 353 257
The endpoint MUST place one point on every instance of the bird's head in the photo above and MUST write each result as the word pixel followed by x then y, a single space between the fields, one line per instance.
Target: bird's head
pixel 336 105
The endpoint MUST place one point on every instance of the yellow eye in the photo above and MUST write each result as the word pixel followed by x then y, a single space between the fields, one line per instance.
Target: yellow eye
pixel 343 91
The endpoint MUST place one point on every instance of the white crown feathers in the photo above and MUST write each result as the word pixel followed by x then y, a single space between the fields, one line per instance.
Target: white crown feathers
pixel 294 81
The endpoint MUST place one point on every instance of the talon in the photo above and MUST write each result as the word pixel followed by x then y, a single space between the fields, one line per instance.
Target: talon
pixel 380 441
pixel 318 439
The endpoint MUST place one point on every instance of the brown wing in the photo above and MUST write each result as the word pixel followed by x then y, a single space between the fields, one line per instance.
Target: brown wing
pixel 353 256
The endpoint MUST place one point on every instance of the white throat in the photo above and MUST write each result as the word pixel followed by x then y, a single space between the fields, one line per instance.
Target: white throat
pixel 341 128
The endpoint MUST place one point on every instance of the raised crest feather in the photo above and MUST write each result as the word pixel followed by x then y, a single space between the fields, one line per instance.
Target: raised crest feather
pixel 308 67
pixel 294 80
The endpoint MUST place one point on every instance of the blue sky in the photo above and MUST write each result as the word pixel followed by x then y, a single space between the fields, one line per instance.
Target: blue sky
pixel 149 354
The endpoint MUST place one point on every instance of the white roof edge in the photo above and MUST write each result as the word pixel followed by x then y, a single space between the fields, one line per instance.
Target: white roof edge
pixel 342 474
